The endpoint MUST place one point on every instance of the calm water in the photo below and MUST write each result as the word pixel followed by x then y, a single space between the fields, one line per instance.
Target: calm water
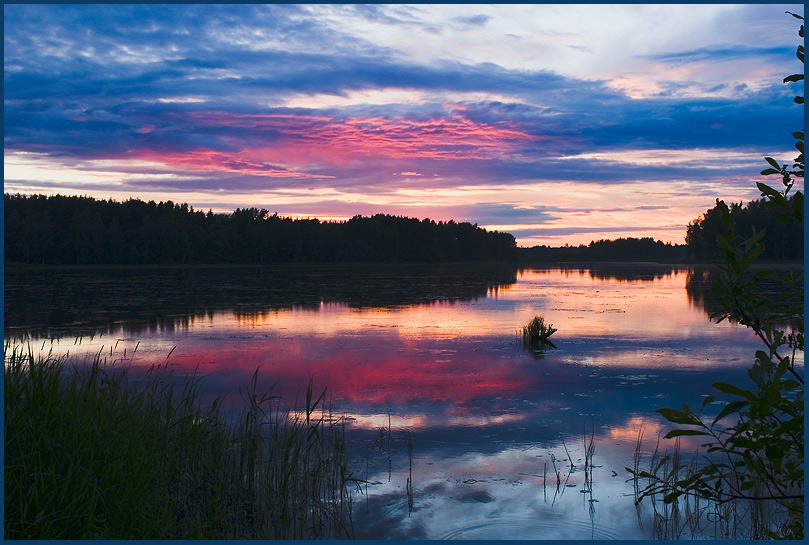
pixel 428 358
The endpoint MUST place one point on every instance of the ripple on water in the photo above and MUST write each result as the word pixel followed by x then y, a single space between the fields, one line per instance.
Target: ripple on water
pixel 522 527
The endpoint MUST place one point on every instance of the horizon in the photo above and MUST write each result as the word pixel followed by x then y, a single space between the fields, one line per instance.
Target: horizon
pixel 268 213
pixel 559 124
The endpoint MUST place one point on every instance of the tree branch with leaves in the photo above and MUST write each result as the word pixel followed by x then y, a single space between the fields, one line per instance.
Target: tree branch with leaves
pixel 754 446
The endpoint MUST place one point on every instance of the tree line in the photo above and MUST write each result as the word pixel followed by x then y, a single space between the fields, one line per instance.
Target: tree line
pixel 620 249
pixel 81 230
pixel 76 230
pixel 782 240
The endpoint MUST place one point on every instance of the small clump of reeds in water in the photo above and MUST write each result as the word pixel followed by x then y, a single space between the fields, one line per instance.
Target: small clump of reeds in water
pixel 91 453
pixel 536 334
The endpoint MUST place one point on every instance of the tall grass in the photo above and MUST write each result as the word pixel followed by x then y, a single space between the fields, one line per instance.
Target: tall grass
pixel 536 334
pixel 691 516
pixel 91 453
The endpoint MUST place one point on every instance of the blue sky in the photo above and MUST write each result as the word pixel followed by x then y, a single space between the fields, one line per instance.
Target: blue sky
pixel 557 123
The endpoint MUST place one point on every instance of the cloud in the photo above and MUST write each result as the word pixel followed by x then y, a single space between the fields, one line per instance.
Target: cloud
pixel 722 54
pixel 473 20
pixel 235 99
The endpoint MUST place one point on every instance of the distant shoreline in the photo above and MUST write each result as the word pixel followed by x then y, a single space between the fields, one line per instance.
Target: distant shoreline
pixel 16 267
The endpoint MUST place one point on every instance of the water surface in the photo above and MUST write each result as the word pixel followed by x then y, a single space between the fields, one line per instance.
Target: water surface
pixel 458 430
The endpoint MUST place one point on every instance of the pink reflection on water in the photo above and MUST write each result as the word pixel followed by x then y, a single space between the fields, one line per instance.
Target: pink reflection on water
pixel 448 353
pixel 377 369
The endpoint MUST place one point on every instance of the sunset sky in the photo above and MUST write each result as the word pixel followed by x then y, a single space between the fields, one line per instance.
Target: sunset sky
pixel 557 123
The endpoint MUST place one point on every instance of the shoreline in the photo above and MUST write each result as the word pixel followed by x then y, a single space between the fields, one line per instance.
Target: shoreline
pixel 23 267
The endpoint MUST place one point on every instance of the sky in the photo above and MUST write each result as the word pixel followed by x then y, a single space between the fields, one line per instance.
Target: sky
pixel 560 124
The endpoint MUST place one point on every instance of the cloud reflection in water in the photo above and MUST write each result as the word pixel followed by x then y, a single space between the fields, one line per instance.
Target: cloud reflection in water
pixel 486 419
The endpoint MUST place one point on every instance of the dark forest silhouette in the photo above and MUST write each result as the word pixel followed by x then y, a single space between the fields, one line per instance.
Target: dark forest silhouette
pixel 620 249
pixel 73 230
pixel 80 230
pixel 782 240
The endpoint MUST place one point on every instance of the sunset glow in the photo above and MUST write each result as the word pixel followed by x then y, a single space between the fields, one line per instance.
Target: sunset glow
pixel 558 124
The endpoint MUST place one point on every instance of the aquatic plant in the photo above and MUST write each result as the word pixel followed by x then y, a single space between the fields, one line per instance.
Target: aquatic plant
pixel 694 515
pixel 93 454
pixel 536 334
pixel 754 447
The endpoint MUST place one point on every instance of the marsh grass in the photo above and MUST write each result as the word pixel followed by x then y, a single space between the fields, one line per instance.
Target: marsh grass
pixel 409 475
pixel 91 453
pixel 536 335
pixel 589 454
pixel 691 516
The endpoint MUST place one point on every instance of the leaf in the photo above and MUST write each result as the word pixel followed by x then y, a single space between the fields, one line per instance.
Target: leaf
pixel 793 77
pixel 753 255
pixel 661 463
pixel 768 171
pixel 670 498
pixel 766 400
pixel 782 368
pixel 708 399
pixel 678 433
pixel 773 162
pixel 767 190
pixel 726 388
pixel 731 407
pixel 678 417
pixel 762 356
pixel 743 442
pixel 790 384
pixel 722 243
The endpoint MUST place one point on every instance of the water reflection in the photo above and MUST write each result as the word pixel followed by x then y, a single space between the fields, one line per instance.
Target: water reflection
pixel 87 301
pixel 699 281
pixel 147 300
pixel 410 361
pixel 623 272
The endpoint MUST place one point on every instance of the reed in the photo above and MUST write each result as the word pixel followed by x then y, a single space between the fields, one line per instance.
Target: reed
pixel 536 334
pixel 410 475
pixel 93 454
pixel 690 515
pixel 589 454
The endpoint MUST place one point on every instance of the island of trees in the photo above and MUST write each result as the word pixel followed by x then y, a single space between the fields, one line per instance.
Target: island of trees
pixel 75 230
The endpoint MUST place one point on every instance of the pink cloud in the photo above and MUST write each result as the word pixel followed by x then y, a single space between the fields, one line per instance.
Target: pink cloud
pixel 241 162
pixel 302 140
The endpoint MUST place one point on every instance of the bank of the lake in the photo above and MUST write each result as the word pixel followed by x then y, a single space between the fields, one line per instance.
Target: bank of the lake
pixel 91 454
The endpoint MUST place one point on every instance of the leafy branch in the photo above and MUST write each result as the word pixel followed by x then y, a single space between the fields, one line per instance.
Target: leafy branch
pixel 754 446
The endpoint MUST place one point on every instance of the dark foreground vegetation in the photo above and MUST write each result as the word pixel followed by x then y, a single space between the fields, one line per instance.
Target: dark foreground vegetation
pixel 750 464
pixel 92 454
pixel 72 230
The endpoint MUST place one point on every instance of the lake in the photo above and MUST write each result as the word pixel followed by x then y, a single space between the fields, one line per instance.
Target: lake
pixel 458 431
